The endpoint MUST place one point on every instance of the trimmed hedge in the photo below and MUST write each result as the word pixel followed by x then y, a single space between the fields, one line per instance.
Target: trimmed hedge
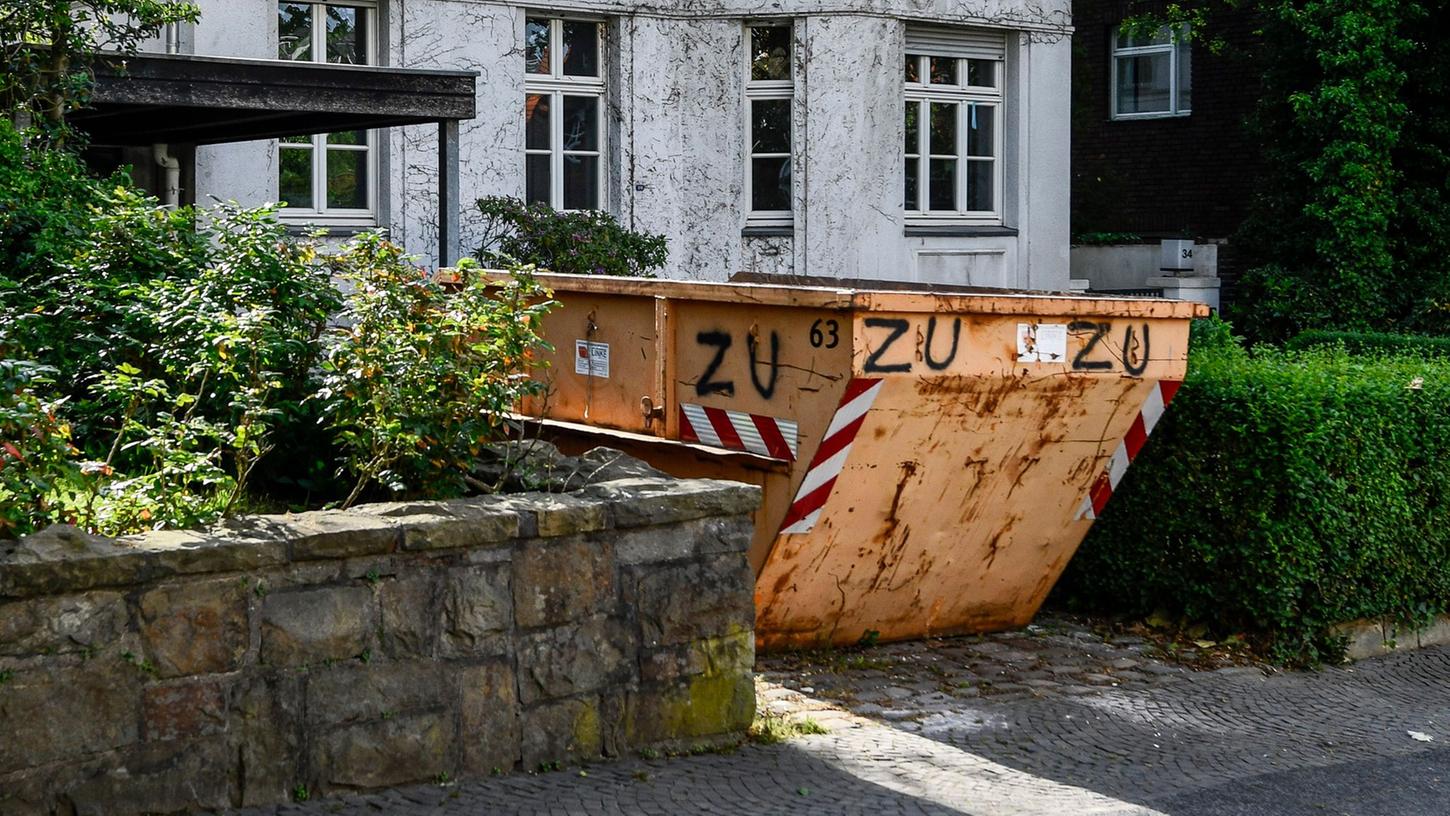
pixel 1283 492
pixel 1373 342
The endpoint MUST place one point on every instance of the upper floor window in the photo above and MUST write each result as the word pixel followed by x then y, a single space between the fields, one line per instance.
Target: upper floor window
pixel 1152 74
pixel 328 176
pixel 563 113
pixel 768 93
pixel 953 129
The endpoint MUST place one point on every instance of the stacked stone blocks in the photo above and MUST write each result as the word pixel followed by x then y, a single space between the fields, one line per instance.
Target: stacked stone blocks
pixel 394 643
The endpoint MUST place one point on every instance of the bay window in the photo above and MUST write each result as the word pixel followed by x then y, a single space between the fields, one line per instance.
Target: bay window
pixel 328 176
pixel 563 114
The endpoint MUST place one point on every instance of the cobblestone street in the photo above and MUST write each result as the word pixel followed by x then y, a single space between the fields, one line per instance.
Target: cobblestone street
pixel 1053 720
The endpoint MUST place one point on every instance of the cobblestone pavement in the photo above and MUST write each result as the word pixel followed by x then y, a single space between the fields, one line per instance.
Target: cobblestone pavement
pixel 1054 720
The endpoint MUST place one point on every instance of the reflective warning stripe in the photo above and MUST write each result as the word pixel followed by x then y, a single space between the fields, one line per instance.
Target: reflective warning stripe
pixel 830 457
pixel 736 430
pixel 1128 449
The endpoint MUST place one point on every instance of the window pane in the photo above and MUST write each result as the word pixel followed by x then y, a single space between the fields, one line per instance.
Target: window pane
pixel 306 140
pixel 979 130
pixel 347 35
pixel 294 184
pixel 536 121
pixel 979 185
pixel 982 73
pixel 913 68
pixel 944 128
pixel 294 31
pixel 347 179
pixel 913 127
pixel 581 182
pixel 770 183
pixel 770 52
pixel 913 185
pixel 536 46
pixel 1185 76
pixel 536 175
pixel 347 137
pixel 1143 83
pixel 581 48
pixel 581 123
pixel 943 70
pixel 770 126
pixel 1162 36
pixel 943 185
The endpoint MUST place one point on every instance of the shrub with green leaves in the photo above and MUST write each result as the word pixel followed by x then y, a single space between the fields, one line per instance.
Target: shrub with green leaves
pixel 419 373
pixel 585 242
pixel 1282 493
pixel 1373 342
pixel 36 458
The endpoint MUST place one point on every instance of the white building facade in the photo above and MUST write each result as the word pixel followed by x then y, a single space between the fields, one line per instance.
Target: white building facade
pixel 868 139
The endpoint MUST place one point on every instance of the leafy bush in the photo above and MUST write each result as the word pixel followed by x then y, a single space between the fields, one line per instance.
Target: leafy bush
pixel 1284 492
pixel 1372 342
pixel 418 373
pixel 35 452
pixel 586 242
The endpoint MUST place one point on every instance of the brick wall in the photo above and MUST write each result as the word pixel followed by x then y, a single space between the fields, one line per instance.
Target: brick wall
pixel 1190 176
pixel 389 644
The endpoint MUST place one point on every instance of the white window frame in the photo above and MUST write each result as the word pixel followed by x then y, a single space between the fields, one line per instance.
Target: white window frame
pixel 1172 48
pixel 556 85
pixel 762 90
pixel 964 96
pixel 324 215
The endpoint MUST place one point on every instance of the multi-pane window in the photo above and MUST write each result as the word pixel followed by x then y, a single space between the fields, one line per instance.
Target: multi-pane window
pixel 563 121
pixel 768 92
pixel 953 138
pixel 327 175
pixel 1152 73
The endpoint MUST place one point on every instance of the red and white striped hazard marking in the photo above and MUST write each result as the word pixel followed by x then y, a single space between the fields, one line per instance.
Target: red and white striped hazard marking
pixel 831 456
pixel 736 430
pixel 1127 451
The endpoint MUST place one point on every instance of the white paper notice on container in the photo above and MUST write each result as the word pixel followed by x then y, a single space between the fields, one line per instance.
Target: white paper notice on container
pixel 591 359
pixel 1041 342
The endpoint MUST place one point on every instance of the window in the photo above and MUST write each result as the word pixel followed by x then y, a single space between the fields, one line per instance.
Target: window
pixel 563 125
pixel 327 176
pixel 1152 74
pixel 953 137
pixel 768 92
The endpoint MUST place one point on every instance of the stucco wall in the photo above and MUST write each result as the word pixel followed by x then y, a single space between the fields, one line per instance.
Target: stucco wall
pixel 677 126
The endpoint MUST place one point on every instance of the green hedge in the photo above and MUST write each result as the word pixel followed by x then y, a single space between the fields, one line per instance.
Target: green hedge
pixel 1373 342
pixel 1283 492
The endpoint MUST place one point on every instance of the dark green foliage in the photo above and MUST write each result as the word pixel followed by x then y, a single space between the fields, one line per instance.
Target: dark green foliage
pixel 1372 342
pixel 1351 227
pixel 1282 493
pixel 586 242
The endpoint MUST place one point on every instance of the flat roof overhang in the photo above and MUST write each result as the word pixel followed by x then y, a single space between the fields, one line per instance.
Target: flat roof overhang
pixel 189 100
pixel 184 99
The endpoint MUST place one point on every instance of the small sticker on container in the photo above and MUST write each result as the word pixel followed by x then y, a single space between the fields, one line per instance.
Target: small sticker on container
pixel 1041 342
pixel 591 359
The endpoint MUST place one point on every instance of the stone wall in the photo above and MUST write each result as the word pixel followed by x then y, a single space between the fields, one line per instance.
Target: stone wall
pixel 388 644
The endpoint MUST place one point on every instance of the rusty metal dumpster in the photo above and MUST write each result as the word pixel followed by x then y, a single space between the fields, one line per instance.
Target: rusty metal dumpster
pixel 929 461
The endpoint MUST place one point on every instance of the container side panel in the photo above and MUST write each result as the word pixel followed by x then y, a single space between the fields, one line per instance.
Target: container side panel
pixel 605 360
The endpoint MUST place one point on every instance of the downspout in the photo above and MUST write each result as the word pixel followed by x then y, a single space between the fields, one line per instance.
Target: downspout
pixel 171 192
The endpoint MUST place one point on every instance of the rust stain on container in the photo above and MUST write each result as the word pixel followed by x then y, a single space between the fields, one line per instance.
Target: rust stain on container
pixel 929 462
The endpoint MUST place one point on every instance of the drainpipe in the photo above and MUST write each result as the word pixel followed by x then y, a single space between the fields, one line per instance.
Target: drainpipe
pixel 171 193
